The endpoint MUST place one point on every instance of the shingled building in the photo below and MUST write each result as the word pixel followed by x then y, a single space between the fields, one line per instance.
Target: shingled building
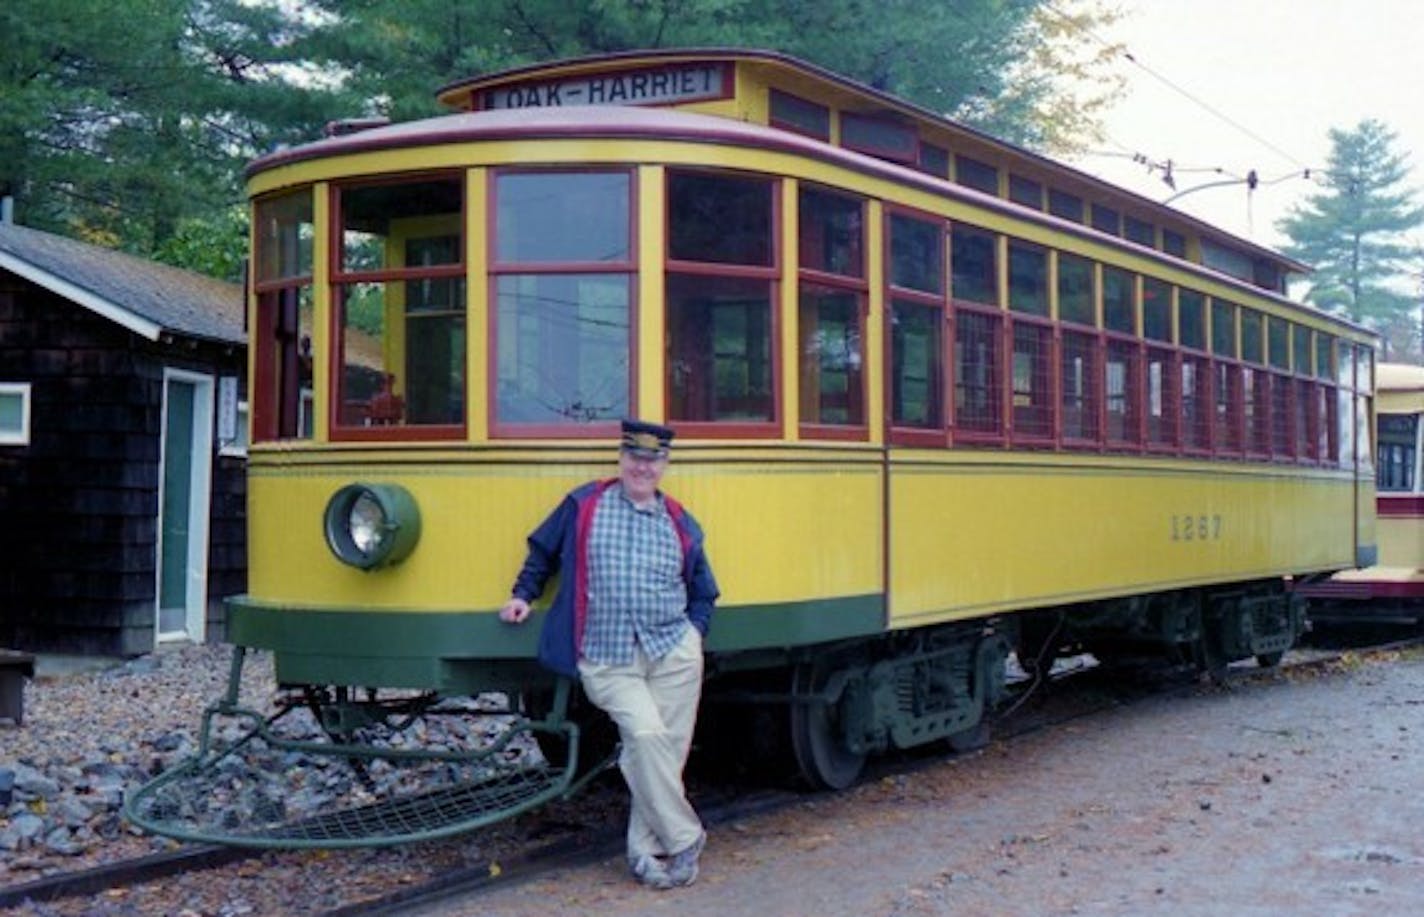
pixel 121 448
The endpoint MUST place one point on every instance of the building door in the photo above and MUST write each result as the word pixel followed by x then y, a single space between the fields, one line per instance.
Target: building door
pixel 183 503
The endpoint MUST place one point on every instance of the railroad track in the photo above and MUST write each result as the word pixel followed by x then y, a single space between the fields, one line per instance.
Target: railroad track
pixel 1077 692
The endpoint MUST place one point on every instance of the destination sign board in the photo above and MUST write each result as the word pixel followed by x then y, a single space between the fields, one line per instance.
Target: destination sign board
pixel 674 83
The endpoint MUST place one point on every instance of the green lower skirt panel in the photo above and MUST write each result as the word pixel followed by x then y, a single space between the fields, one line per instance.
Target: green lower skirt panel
pixel 462 652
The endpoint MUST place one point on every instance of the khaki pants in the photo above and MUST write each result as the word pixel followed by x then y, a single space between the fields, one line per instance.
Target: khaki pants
pixel 654 704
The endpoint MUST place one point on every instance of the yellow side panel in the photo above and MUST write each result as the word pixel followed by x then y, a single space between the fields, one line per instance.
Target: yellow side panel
pixel 970 537
pixel 1401 542
pixel 776 531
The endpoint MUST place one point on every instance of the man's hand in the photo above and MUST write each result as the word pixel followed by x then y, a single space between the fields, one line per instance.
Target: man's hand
pixel 515 611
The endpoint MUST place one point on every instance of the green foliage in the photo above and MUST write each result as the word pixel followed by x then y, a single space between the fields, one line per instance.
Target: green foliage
pixel 215 245
pixel 1352 231
pixel 128 123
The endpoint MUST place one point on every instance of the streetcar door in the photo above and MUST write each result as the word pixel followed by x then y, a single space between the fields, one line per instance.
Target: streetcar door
pixel 185 487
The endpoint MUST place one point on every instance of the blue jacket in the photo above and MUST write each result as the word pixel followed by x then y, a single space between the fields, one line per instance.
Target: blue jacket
pixel 560 545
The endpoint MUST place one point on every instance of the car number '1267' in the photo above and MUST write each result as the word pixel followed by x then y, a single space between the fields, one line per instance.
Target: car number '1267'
pixel 1194 527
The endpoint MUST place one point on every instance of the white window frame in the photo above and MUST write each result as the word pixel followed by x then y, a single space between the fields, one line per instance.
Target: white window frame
pixel 10 436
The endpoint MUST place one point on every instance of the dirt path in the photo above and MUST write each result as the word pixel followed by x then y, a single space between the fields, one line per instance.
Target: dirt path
pixel 1298 795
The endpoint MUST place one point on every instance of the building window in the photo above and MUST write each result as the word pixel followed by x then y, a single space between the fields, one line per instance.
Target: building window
pixel 793 113
pixel 562 286
pixel 721 286
pixel 14 413
pixel 282 332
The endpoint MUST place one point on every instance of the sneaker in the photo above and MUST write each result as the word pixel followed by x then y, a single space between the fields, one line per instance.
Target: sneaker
pixel 682 868
pixel 649 871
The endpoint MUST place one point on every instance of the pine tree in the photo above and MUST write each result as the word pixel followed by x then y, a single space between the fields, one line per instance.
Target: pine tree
pixel 1352 232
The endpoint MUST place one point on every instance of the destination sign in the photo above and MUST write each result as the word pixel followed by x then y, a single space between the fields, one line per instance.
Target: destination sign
pixel 648 86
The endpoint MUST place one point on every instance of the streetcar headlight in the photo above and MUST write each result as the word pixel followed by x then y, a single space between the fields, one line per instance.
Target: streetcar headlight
pixel 372 525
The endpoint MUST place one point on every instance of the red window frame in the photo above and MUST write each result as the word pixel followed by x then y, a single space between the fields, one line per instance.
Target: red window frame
pixel 918 436
pixel 1228 434
pixel 1162 429
pixel 342 278
pixel 1197 392
pixel 500 429
pixel 771 274
pixel 1282 417
pixel 984 426
pixel 1031 424
pixel 1129 348
pixel 854 282
pixel 1077 340
pixel 275 388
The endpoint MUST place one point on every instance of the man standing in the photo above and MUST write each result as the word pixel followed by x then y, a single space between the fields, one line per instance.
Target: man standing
pixel 634 603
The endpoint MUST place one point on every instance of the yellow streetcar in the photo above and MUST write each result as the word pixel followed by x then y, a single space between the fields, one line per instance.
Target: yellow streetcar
pixel 938 399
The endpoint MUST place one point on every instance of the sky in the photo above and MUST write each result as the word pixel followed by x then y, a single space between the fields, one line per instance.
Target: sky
pixel 1228 86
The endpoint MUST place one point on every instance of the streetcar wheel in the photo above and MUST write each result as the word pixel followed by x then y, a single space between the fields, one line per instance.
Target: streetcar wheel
pixel 1270 660
pixel 822 757
pixel 971 739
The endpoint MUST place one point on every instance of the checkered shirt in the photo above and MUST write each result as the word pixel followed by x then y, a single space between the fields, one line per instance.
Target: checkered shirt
pixel 636 595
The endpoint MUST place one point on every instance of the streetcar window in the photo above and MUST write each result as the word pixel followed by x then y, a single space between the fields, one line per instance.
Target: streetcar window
pixel 917 383
pixel 1251 337
pixel 1256 412
pixel 1282 415
pixel 1398 436
pixel 1139 231
pixel 1065 205
pixel 974 276
pixel 1028 278
pixel 282 330
pixel 794 113
pixel 1196 404
pixel 1300 350
pixel 720 219
pixel 879 137
pixel 1162 397
pixel 916 254
pixel 1122 394
pixel 399 296
pixel 1025 191
pixel 1105 219
pixel 978 395
pixel 1081 384
pixel 721 328
pixel 1227 390
pixel 1032 395
pixel 1223 329
pixel 1279 339
pixel 1326 432
pixel 1156 310
pixel 1174 243
pixel 1119 301
pixel 719 349
pixel 1306 419
pixel 561 348
pixel 934 160
pixel 1075 290
pixel 971 173
pixel 1191 319
pixel 1324 353
pixel 832 233
pixel 568 217
pixel 831 352
pixel 284 237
